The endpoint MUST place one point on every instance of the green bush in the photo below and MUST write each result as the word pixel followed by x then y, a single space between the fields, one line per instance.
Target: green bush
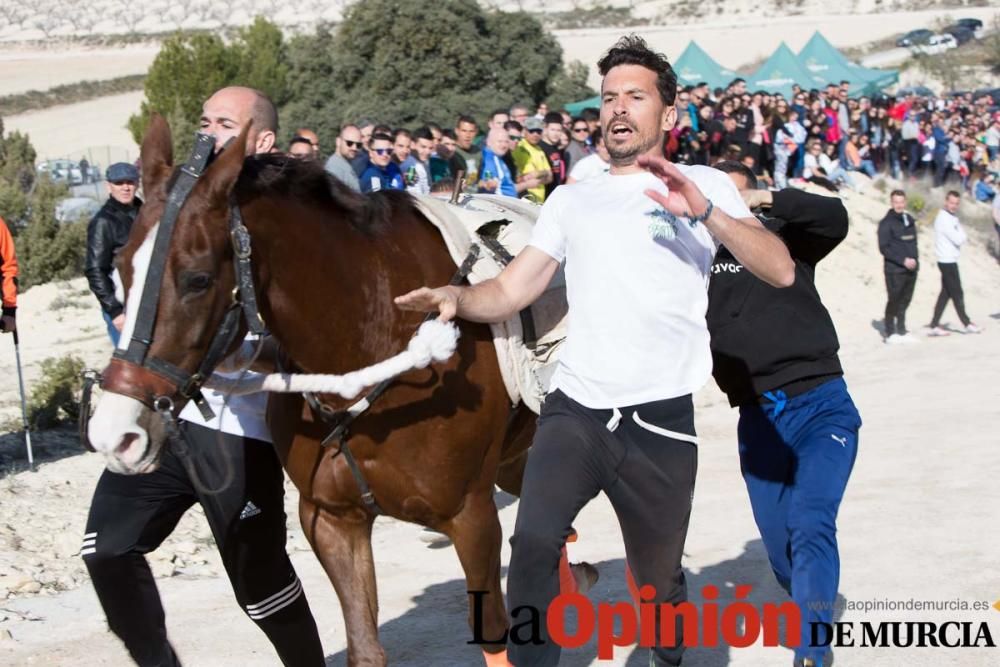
pixel 55 395
pixel 48 250
pixel 916 202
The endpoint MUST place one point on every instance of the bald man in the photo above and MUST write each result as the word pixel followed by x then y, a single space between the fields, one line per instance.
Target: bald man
pixel 500 178
pixel 313 138
pixel 131 515
pixel 225 113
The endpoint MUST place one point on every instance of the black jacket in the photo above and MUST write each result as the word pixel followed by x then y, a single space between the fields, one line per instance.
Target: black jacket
pixel 897 240
pixel 107 232
pixel 765 338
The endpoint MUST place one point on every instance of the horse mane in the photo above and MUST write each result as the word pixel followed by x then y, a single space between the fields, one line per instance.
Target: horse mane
pixel 306 181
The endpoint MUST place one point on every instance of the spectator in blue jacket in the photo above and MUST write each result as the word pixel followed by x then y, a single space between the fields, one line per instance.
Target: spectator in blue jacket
pixel 984 190
pixel 382 173
pixel 494 174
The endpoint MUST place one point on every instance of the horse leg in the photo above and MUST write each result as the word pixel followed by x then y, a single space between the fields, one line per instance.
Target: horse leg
pixel 343 544
pixel 477 536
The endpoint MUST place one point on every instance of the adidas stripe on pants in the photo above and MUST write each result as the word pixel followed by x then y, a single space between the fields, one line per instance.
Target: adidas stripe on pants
pixel 131 515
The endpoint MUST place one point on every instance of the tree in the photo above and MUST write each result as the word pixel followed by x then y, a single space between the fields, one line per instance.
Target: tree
pixel 190 67
pixel 312 76
pixel 262 59
pixel 570 85
pixel 48 250
pixel 17 175
pixel 424 60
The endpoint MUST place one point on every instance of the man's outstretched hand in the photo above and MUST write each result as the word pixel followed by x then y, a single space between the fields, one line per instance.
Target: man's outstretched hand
pixel 442 300
pixel 683 197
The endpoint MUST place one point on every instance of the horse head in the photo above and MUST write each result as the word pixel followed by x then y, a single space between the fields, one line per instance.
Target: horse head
pixel 193 296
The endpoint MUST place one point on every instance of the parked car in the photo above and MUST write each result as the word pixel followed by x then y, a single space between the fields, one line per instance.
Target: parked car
pixel 62 171
pixel 915 37
pixel 975 25
pixel 936 44
pixel 961 34
pixel 919 91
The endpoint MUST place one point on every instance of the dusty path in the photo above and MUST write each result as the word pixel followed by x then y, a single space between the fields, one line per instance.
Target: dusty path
pixel 919 519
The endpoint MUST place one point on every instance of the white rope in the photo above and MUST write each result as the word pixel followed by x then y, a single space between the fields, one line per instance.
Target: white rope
pixel 434 341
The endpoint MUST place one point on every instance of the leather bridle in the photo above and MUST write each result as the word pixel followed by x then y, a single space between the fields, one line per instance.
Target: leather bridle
pixel 153 381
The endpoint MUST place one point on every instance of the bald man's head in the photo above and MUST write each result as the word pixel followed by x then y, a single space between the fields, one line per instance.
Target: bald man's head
pixel 229 110
pixel 498 141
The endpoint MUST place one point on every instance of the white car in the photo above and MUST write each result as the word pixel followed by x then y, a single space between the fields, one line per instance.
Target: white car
pixel 936 44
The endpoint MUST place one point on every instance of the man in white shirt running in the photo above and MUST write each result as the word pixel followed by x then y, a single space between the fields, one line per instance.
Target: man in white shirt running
pixel 949 237
pixel 619 418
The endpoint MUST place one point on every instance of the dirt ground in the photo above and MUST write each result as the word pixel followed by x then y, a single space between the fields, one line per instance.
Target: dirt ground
pixel 918 521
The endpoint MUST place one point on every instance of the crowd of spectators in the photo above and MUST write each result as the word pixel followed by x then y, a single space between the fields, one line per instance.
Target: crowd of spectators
pixel 821 135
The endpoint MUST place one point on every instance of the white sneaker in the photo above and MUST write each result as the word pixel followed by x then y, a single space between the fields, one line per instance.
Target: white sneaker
pixel 938 331
pixel 972 328
pixel 894 339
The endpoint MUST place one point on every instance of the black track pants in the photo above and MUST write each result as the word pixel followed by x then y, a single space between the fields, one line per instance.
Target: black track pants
pixel 132 514
pixel 951 289
pixel 644 458
pixel 900 286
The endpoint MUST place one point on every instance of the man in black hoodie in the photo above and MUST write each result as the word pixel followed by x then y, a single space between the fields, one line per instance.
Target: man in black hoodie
pixel 107 232
pixel 775 356
pixel 897 241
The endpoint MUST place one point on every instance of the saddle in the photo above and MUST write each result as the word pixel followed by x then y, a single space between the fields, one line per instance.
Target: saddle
pixel 489 231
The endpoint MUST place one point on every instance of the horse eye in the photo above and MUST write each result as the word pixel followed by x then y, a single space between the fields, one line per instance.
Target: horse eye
pixel 198 282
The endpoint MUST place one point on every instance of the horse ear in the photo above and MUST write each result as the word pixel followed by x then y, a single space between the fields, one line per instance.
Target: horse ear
pixel 157 156
pixel 225 169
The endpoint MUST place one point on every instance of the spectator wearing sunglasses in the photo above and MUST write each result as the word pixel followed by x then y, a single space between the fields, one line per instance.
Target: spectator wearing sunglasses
pixel 107 232
pixel 579 141
pixel 349 143
pixel 383 173
pixel 515 132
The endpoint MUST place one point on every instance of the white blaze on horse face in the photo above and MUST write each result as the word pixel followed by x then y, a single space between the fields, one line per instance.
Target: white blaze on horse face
pixel 140 266
pixel 114 429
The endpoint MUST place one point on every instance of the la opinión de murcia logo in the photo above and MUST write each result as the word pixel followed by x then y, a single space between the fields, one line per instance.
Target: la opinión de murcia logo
pixel 737 624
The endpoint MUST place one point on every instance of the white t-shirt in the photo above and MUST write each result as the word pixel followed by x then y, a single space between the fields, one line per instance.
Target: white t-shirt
pixel 589 167
pixel 948 237
pixel 244 415
pixel 637 304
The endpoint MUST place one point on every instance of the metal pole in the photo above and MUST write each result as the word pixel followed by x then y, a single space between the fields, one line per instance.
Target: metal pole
pixel 24 407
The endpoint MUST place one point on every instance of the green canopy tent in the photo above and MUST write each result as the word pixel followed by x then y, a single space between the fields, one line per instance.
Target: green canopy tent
pixel 824 60
pixel 694 66
pixel 780 71
pixel 575 108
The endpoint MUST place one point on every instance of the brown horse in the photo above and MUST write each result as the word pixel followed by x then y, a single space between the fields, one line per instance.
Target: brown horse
pixel 327 262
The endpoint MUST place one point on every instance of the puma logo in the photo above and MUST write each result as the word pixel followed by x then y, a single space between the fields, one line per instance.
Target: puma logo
pixel 842 441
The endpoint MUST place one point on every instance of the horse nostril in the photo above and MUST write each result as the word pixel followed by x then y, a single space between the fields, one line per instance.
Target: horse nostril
pixel 126 442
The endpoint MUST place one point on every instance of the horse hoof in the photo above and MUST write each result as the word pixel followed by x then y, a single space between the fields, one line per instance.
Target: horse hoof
pixel 586 575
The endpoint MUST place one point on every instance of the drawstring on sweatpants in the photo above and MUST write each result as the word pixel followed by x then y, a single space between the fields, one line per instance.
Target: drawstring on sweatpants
pixel 616 418
pixel 779 399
